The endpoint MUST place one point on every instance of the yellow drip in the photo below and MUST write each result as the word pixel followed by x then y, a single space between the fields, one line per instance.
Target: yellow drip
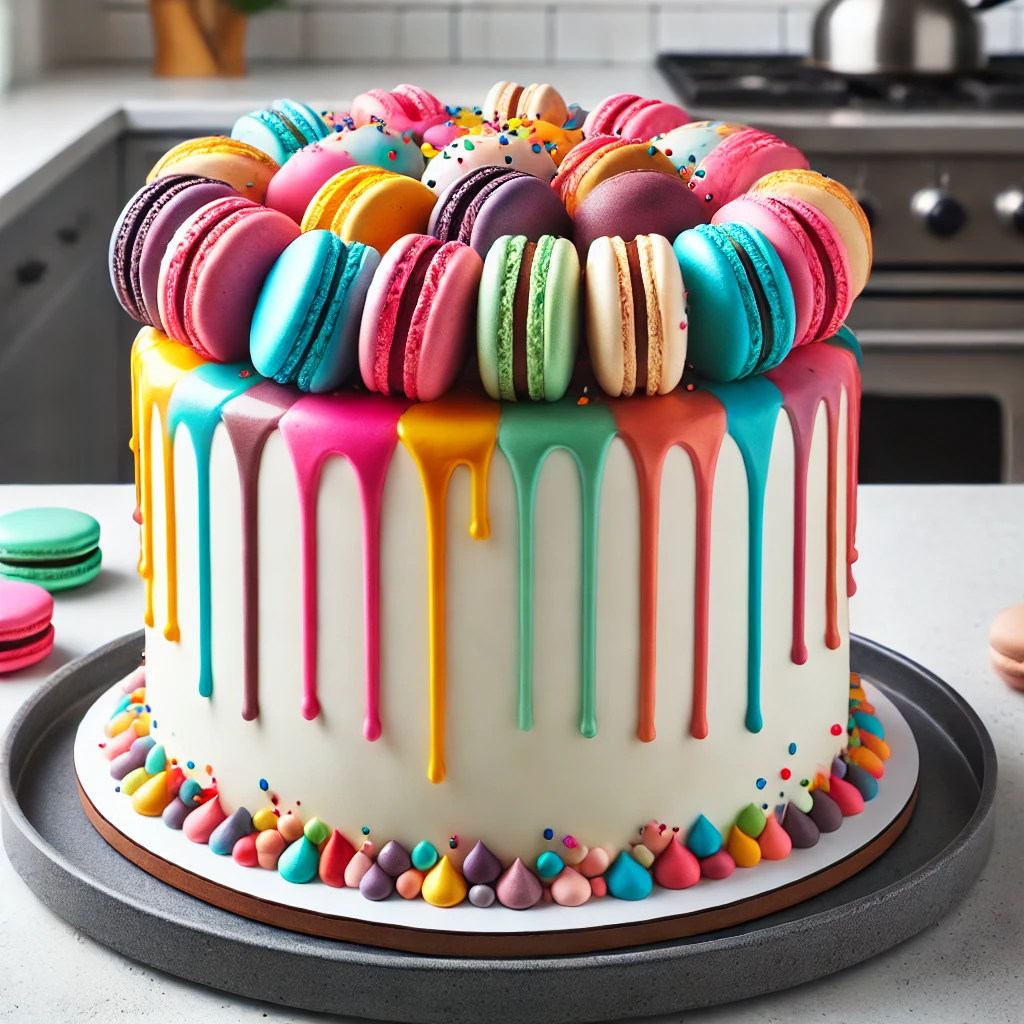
pixel 440 436
pixel 157 365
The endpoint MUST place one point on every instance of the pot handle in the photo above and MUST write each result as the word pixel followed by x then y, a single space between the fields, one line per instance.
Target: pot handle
pixel 985 5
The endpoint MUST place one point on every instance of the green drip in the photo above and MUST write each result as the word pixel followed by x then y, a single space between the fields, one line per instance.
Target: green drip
pixel 535 319
pixel 527 435
pixel 506 301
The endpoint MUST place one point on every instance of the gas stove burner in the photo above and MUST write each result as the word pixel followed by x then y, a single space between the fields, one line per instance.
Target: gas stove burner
pixel 710 82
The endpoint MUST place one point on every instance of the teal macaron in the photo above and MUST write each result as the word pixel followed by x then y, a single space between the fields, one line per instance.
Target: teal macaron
pixel 281 131
pixel 741 313
pixel 528 318
pixel 305 330
pixel 55 548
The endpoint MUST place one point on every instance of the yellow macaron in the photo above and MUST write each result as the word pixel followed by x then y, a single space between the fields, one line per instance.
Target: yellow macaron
pixel 370 205
pixel 837 203
pixel 246 169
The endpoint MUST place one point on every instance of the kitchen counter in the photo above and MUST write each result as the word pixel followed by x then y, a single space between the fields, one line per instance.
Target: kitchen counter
pixel 936 565
pixel 50 127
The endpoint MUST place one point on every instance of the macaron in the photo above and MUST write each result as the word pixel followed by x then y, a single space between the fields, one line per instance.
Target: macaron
pixel 140 236
pixel 418 318
pixel 596 159
pixel 687 145
pixel 460 121
pixel 633 117
pixel 812 252
pixel 1006 646
pixel 405 108
pixel 489 202
pixel 379 146
pixel 636 320
pixel 305 329
pixel 539 102
pixel 632 203
pixel 528 318
pixel 504 149
pixel 741 313
pixel 370 205
pixel 212 273
pixel 738 161
pixel 836 202
pixel 26 633
pixel 245 168
pixel 282 130
pixel 56 548
pixel 558 141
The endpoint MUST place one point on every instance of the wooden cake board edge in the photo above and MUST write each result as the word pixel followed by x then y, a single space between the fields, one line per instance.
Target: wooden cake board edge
pixel 492 944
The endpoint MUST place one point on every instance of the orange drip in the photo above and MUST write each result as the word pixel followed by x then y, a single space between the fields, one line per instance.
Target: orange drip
pixel 695 421
pixel 440 436
pixel 157 365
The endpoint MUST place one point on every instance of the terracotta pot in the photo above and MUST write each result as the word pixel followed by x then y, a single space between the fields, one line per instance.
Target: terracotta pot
pixel 197 38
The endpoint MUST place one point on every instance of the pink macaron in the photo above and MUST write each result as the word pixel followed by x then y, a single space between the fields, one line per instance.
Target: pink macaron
pixel 291 189
pixel 213 271
pixel 26 634
pixel 419 317
pixel 633 117
pixel 738 161
pixel 405 108
pixel 812 253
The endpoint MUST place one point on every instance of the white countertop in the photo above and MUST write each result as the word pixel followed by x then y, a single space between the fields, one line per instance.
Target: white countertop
pixel 936 565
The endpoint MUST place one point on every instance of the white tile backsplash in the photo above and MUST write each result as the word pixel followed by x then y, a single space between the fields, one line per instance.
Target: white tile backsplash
pixel 751 29
pixel 276 35
pixel 603 35
pixel 487 34
pixel 425 34
pixel 353 34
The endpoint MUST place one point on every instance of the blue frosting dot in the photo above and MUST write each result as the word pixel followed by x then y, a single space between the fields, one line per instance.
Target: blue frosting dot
pixel 764 807
pixel 536 147
pixel 761 783
pixel 792 748
pixel 508 159
pixel 366 830
pixel 548 834
pixel 190 765
pixel 264 785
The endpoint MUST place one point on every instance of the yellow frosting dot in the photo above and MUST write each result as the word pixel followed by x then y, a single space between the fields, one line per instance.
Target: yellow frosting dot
pixel 264 819
pixel 151 797
pixel 444 886
pixel 743 849
pixel 142 723
pixel 133 780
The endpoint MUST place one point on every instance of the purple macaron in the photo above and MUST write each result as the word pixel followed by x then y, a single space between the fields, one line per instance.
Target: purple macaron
pixel 140 237
pixel 489 202
pixel 639 202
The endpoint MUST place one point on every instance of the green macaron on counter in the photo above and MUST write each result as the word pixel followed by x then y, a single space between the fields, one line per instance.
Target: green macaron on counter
pixel 56 548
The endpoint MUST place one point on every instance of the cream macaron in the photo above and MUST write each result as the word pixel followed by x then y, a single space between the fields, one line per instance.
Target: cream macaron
pixel 1006 646
pixel 636 315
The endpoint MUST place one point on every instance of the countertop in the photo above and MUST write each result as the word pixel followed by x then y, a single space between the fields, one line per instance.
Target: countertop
pixel 937 563
pixel 51 126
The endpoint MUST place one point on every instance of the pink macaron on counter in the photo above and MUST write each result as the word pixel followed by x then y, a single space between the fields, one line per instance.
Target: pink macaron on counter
pixel 633 167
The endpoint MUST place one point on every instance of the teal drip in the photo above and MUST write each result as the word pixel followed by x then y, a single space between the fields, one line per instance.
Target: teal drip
pixel 196 403
pixel 751 408
pixel 527 435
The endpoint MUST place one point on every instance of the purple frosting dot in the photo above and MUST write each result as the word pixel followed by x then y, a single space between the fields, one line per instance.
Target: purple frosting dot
pixel 376 884
pixel 481 867
pixel 394 859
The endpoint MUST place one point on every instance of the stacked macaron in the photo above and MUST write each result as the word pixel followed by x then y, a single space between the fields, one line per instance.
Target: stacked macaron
pixel 372 245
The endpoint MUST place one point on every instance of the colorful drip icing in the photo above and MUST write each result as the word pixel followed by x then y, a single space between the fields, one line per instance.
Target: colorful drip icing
pixel 158 364
pixel 441 436
pixel 527 435
pixel 811 375
pixel 362 429
pixel 695 421
pixel 250 419
pixel 196 404
pixel 752 408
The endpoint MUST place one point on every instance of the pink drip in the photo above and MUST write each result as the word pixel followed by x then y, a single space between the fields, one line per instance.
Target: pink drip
pixel 364 430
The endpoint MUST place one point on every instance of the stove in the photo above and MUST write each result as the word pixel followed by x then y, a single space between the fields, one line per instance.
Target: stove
pixel 938 166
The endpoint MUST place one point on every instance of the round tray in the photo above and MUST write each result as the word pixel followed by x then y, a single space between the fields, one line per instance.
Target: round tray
pixel 74 872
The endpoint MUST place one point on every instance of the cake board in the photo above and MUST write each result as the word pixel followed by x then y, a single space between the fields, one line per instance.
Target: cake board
pixel 925 872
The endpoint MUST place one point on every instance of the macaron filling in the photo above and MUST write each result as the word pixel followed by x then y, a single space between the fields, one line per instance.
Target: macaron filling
pixel 20 643
pixel 643 335
pixel 765 333
pixel 48 563
pixel 415 336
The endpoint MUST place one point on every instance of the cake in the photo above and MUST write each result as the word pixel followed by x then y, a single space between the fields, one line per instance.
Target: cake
pixel 498 651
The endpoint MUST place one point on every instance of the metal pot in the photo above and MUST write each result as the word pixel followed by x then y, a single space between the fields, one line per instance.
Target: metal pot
pixel 871 37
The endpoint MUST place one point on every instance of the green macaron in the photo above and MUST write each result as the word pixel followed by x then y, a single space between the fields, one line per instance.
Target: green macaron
pixel 56 548
pixel 528 318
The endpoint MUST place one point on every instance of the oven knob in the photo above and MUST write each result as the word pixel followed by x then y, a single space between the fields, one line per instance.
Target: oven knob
pixel 869 206
pixel 1010 209
pixel 941 214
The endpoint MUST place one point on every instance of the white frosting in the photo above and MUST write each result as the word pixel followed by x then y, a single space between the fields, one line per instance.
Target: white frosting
pixel 503 785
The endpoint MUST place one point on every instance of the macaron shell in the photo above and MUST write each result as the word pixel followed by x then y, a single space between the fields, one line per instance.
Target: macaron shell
pixel 605 296
pixel 490 314
pixel 521 206
pixel 561 319
pixel 601 120
pixel 1006 634
pixel 54 578
pixel 543 102
pixel 378 146
pixel 291 190
pixel 246 169
pixel 44 534
pixel 787 236
pixel 473 151
pixel 264 130
pixel 837 203
pixel 671 297
pixel 733 166
pixel 393 263
pixel 324 205
pixel 384 212
pixel 607 163
pixel 225 279
pixel 653 119
pixel 25 609
pixel 451 304
pixel 687 145
pixel 641 202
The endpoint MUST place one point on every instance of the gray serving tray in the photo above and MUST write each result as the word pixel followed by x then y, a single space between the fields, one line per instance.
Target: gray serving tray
pixel 75 873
